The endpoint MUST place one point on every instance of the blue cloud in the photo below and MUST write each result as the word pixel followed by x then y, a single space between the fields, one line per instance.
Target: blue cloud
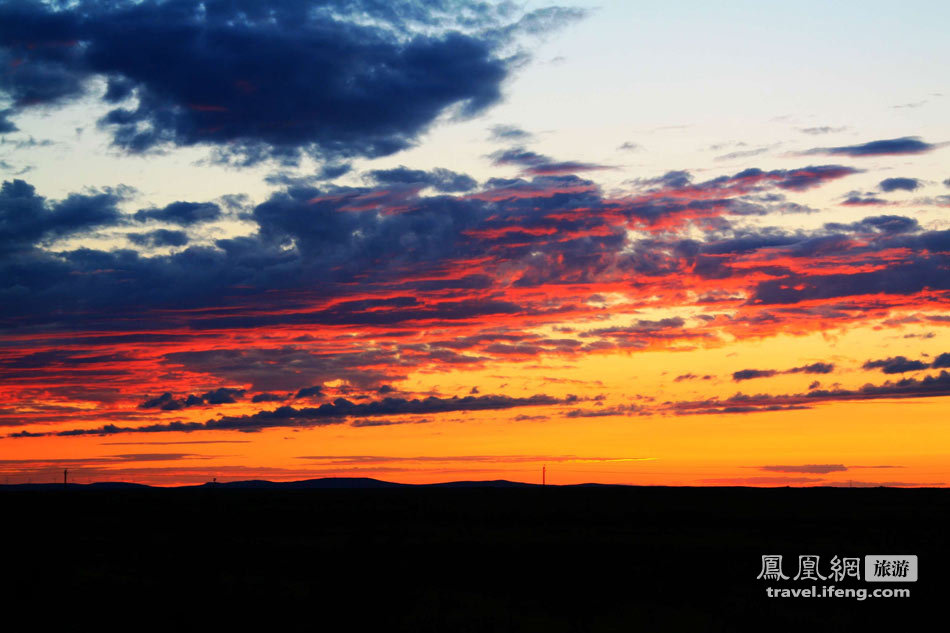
pixel 903 184
pixel 903 145
pixel 261 80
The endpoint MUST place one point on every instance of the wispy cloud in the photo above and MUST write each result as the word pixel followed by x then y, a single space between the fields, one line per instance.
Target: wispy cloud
pixel 894 146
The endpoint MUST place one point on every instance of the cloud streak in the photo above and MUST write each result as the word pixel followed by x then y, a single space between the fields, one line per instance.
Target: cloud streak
pixel 337 412
pixel 927 387
pixel 886 147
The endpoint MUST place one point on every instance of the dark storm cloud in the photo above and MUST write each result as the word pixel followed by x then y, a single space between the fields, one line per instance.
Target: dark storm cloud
pixel 329 246
pixel 222 395
pixel 440 179
pixel 27 219
pixel 749 374
pixel 728 187
pixel 316 246
pixel 314 391
pixel 312 219
pixel 563 167
pixel 814 368
pixel 878 223
pixel 863 201
pixel 518 156
pixel 904 145
pixel 902 279
pixel 6 125
pixel 160 237
pixel 336 412
pixel 895 365
pixel 691 376
pixel 625 410
pixel 267 397
pixel 167 402
pixel 182 213
pixel 343 408
pixel 927 387
pixel 106 459
pixel 643 329
pixel 807 177
pixel 902 184
pixel 509 133
pixel 289 368
pixel 266 79
pixel 675 179
pixel 739 244
pixel 290 179
pixel 817 469
pixel 539 165
pixel 58 358
pixel 329 172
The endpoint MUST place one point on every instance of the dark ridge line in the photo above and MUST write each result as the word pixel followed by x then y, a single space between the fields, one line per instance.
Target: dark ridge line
pixel 368 483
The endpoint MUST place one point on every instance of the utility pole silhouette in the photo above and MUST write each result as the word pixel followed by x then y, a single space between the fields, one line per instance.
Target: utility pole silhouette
pixel 65 472
pixel 544 475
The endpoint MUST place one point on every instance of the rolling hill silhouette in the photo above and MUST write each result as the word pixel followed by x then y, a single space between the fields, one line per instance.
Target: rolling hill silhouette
pixel 347 483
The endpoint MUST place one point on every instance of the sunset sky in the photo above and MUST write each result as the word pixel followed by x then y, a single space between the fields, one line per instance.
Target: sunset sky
pixel 698 244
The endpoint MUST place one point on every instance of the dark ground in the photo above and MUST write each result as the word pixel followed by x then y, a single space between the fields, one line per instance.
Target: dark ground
pixel 480 559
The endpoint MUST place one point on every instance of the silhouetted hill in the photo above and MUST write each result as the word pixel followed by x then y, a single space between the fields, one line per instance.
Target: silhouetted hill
pixel 307 484
pixel 112 485
pixel 98 485
pixel 476 556
pixel 348 483
pixel 495 483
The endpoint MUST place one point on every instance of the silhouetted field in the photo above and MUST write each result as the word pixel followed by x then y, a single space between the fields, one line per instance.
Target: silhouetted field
pixel 469 559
